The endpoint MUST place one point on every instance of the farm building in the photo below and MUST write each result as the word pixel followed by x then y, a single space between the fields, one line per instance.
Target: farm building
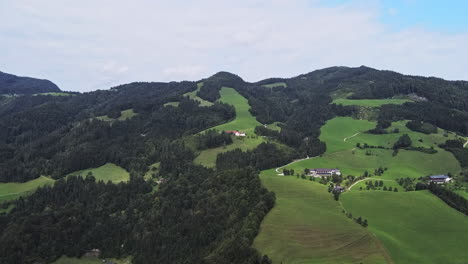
pixel 236 133
pixel 324 172
pixel 439 179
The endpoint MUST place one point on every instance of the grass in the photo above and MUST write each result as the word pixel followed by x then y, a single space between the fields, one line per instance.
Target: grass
pixel 416 227
pixel 244 120
pixel 344 155
pixel 152 169
pixel 107 172
pixel 193 96
pixel 207 157
pixel 278 84
pixel 370 102
pixel 308 226
pixel 13 190
pixel 89 260
pixel 124 115
pixel 175 104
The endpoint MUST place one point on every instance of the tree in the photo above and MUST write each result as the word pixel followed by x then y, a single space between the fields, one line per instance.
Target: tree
pixel 364 223
pixel 402 142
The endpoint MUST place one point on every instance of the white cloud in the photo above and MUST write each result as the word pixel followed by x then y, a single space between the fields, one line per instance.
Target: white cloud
pixel 86 45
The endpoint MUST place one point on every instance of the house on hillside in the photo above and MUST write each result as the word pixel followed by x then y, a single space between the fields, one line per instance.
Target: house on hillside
pixel 324 172
pixel 236 133
pixel 439 179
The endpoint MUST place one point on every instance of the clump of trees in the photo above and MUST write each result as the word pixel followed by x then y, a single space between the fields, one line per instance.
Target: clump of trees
pixel 422 127
pixel 213 139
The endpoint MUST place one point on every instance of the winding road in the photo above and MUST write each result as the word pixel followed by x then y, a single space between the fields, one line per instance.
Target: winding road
pixel 349 189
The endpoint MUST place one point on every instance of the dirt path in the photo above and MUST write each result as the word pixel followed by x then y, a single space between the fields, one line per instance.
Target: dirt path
pixel 282 174
pixel 349 189
pixel 344 139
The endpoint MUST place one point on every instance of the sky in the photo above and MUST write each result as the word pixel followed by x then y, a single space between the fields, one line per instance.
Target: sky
pixel 97 44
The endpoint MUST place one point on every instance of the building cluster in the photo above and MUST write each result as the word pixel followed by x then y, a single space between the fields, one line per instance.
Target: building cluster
pixel 236 133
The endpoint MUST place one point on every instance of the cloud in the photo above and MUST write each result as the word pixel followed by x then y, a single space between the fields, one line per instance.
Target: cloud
pixel 86 45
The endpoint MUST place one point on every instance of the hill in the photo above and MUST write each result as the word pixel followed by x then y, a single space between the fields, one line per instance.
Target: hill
pixel 12 84
pixel 181 192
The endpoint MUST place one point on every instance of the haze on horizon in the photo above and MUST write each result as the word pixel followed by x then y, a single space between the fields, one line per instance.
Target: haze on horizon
pixel 88 45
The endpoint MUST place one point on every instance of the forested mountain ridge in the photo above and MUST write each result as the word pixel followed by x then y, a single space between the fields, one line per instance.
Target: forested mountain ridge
pixel 12 84
pixel 195 214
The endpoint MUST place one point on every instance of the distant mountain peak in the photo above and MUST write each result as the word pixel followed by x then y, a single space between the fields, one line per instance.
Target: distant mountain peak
pixel 12 84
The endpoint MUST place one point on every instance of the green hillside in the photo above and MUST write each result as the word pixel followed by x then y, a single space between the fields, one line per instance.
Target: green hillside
pixel 308 226
pixel 416 227
pixel 341 135
pixel 11 191
pixel 107 172
pixel 244 122
pixel 124 115
pixel 369 102
pixel 193 96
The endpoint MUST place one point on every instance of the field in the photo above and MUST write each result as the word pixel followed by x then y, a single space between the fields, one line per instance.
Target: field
pixel 244 121
pixel 308 226
pixel 124 115
pixel 278 84
pixel 354 161
pixel 207 157
pixel 193 96
pixel 416 227
pixel 370 102
pixel 107 172
pixel 12 191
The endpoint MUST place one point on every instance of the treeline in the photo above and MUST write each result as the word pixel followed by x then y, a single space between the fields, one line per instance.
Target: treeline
pixel 58 136
pixel 72 217
pixel 454 200
pixel 212 139
pixel 265 156
pixel 196 216
pixel 422 127
pixel 456 147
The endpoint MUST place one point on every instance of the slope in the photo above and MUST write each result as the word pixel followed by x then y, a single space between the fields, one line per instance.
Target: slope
pixel 416 227
pixel 308 226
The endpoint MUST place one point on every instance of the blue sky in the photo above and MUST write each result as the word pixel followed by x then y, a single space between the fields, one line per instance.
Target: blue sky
pixel 87 45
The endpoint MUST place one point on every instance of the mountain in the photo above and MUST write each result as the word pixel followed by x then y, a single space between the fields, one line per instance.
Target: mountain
pixel 12 84
pixel 153 172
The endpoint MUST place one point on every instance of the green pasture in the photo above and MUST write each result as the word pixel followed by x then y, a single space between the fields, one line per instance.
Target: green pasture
pixel 244 120
pixel 125 114
pixel 416 227
pixel 207 157
pixel 277 84
pixel 107 172
pixel 193 96
pixel 13 190
pixel 308 226
pixel 55 94
pixel 369 102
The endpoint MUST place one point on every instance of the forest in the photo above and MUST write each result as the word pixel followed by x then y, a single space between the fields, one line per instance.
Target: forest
pixel 196 214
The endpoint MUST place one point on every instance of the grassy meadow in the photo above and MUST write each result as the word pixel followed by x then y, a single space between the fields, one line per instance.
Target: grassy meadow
pixel 308 226
pixel 416 227
pixel 124 115
pixel 341 135
pixel 107 172
pixel 13 190
pixel 369 102
pixel 193 96
pixel 244 122
pixel 277 84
